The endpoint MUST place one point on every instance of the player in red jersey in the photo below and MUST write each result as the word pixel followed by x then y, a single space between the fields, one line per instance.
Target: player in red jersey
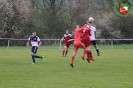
pixel 65 38
pixel 77 43
pixel 87 42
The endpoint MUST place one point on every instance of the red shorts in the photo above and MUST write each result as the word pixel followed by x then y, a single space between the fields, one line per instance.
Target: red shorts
pixel 78 45
pixel 87 42
pixel 67 44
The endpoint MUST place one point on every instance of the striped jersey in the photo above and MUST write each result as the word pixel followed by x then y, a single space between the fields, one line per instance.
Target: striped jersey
pixel 67 37
pixel 34 40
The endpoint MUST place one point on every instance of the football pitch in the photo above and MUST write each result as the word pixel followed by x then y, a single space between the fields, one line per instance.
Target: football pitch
pixel 112 69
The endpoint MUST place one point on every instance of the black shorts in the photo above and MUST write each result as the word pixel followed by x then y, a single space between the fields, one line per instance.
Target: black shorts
pixel 34 49
pixel 94 42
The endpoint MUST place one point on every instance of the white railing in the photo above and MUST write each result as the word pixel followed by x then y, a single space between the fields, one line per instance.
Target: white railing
pixel 60 45
pixel 13 39
pixel 103 40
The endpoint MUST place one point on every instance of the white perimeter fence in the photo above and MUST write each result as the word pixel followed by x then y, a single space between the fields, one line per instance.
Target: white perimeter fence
pixel 60 44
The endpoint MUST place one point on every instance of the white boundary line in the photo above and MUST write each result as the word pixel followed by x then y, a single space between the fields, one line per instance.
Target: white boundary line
pixel 9 39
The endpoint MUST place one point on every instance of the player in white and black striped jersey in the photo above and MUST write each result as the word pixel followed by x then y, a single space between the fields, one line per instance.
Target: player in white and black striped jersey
pixel 93 39
pixel 35 42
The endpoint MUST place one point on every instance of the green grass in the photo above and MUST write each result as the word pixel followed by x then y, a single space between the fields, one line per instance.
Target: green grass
pixel 113 69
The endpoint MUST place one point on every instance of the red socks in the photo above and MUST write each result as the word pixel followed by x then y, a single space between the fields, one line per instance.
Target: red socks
pixel 89 55
pixel 66 52
pixel 84 53
pixel 63 52
pixel 72 59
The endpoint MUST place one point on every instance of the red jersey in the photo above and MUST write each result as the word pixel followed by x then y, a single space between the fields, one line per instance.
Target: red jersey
pixel 77 35
pixel 67 37
pixel 77 39
pixel 85 35
pixel 86 32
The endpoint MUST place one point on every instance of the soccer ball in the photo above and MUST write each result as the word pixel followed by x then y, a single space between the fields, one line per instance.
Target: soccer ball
pixel 91 19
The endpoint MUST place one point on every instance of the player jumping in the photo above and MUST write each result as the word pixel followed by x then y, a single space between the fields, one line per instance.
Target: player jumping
pixel 77 43
pixel 65 38
pixel 87 42
pixel 93 39
pixel 78 34
pixel 35 42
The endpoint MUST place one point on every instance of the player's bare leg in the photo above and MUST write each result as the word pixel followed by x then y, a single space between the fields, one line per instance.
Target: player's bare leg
pixel 97 50
pixel 83 55
pixel 72 58
pixel 64 50
pixel 33 57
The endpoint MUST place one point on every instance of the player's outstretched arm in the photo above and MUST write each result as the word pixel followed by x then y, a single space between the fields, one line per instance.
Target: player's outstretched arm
pixel 62 39
pixel 27 44
pixel 39 43
pixel 70 40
